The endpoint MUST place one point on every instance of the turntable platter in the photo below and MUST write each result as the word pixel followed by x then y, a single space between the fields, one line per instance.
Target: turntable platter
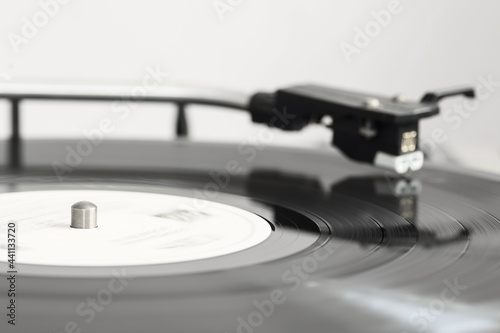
pixel 314 243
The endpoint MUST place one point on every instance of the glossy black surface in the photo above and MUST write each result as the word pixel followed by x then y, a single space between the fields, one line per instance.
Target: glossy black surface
pixel 415 255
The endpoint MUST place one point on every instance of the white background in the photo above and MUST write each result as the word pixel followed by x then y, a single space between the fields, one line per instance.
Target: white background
pixel 259 45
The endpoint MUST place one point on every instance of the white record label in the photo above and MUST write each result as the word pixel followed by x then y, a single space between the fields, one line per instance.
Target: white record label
pixel 134 228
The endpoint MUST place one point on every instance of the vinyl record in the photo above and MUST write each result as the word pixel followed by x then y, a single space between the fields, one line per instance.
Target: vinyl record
pixel 215 238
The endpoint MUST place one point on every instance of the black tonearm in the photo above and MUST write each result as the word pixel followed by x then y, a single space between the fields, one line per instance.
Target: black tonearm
pixel 375 129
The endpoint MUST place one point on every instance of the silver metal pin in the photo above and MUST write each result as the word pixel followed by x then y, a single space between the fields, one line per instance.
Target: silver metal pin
pixel 84 215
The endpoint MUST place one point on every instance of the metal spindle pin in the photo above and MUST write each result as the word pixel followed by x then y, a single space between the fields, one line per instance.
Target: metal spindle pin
pixel 84 215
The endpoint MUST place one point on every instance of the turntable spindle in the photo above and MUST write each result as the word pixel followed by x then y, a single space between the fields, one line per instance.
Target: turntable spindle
pixel 84 215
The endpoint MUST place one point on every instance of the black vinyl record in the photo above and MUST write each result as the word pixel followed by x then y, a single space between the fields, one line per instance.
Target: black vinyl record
pixel 351 248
